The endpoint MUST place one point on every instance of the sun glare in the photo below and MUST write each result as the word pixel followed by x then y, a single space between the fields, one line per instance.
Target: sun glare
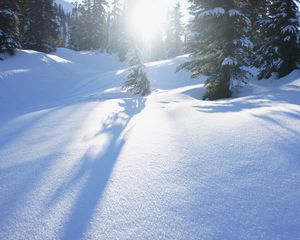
pixel 148 18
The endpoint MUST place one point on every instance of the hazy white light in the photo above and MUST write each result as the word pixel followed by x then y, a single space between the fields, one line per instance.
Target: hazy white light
pixel 148 18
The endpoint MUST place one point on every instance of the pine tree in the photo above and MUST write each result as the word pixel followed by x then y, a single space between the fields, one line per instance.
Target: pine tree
pixel 88 25
pixel 39 28
pixel 84 33
pixel 279 51
pixel 63 22
pixel 175 32
pixel 74 29
pixel 256 10
pixel 9 26
pixel 137 81
pixel 99 29
pixel 124 31
pixel 219 45
pixel 115 27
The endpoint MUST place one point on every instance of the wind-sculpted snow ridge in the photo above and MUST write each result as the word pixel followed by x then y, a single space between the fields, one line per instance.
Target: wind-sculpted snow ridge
pixel 80 159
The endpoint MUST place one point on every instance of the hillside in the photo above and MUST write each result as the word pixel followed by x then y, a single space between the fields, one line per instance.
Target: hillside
pixel 82 159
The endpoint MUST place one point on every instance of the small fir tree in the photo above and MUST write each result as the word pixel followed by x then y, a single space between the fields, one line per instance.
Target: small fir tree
pixel 137 82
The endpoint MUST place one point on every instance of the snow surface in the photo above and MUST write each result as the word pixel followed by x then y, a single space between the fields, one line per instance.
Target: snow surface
pixel 80 159
pixel 213 12
pixel 229 61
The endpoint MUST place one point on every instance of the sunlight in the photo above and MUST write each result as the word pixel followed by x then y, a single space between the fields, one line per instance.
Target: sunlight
pixel 148 18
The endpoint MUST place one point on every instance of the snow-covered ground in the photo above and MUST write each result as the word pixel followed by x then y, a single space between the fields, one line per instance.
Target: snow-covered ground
pixel 80 159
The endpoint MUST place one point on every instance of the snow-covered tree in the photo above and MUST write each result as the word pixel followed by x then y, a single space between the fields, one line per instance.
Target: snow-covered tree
pixel 219 45
pixel 279 48
pixel 137 82
pixel 9 26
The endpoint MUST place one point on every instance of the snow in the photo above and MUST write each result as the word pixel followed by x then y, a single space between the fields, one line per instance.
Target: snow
pixel 235 12
pixel 244 42
pixel 6 12
pixel 289 29
pixel 229 61
pixel 213 12
pixel 80 159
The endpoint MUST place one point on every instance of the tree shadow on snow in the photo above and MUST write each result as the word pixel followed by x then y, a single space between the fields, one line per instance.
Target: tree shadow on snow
pixel 95 170
pixel 265 99
pixel 25 175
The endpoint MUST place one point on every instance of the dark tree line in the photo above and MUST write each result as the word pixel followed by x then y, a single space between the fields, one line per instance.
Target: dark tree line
pixel 9 26
pixel 32 24
pixel 43 25
pixel 88 26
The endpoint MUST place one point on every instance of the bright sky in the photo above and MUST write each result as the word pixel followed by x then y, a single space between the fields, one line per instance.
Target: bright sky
pixel 149 17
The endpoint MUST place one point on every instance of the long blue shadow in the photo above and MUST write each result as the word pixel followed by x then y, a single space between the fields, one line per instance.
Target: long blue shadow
pixel 97 171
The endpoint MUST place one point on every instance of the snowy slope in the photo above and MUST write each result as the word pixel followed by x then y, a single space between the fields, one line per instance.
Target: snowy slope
pixel 80 159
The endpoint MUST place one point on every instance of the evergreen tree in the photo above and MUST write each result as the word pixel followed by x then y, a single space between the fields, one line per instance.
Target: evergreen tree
pixel 137 81
pixel 85 24
pixel 99 27
pixel 88 25
pixel 219 45
pixel 9 26
pixel 256 10
pixel 115 27
pixel 279 51
pixel 175 32
pixel 74 27
pixel 125 32
pixel 39 26
pixel 63 22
